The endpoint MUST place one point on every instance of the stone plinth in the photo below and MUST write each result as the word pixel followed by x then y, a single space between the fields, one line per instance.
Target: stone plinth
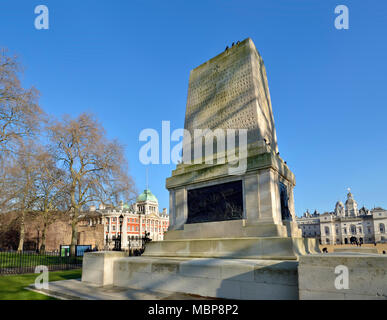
pixel 271 248
pixel 260 183
pixel 97 267
pixel 367 276
pixel 232 229
pixel 222 278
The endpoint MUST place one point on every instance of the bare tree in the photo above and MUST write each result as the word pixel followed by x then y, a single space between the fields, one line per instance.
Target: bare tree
pixel 51 192
pixel 21 183
pixel 5 195
pixel 95 166
pixel 20 114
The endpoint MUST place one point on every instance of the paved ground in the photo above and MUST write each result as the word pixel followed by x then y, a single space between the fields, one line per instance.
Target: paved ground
pixel 76 290
pixel 379 246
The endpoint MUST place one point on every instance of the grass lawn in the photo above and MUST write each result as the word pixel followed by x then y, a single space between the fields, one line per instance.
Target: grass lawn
pixel 12 287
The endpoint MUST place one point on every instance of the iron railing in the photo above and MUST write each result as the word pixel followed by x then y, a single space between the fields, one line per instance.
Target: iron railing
pixel 18 262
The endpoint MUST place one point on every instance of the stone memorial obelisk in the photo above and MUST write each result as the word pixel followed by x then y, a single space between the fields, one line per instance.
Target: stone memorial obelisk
pixel 232 227
pixel 250 213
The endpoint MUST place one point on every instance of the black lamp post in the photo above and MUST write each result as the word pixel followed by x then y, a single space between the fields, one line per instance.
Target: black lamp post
pixel 121 218
pixel 139 224
pixel 117 241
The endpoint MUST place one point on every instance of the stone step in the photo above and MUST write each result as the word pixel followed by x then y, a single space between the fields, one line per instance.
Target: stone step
pixel 273 248
pixel 221 278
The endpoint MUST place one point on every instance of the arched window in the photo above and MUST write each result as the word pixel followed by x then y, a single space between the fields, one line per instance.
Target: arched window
pixel 382 228
pixel 353 229
pixel 327 231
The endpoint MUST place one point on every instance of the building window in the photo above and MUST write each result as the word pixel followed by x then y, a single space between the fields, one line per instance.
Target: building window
pixel 353 229
pixel 382 228
pixel 327 231
pixel 345 230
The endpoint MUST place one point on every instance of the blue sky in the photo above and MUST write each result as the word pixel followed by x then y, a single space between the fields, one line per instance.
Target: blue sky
pixel 128 62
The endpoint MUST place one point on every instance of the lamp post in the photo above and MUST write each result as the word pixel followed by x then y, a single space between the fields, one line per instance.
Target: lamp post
pixel 121 218
pixel 140 225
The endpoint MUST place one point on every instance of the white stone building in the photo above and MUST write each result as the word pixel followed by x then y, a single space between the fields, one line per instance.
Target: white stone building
pixel 310 225
pixel 346 224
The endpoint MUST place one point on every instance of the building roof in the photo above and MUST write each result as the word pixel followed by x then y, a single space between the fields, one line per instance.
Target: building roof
pixel 147 195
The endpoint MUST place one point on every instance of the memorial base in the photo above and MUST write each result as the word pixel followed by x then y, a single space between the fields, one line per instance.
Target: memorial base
pixel 207 277
pixel 270 248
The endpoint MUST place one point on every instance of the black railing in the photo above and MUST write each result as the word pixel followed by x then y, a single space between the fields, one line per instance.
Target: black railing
pixel 14 262
pixel 136 249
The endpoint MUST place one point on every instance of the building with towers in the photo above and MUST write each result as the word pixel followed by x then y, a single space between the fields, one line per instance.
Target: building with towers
pixel 346 224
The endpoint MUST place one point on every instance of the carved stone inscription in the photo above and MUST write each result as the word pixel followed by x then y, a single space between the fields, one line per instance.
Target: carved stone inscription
pixel 220 202
pixel 222 96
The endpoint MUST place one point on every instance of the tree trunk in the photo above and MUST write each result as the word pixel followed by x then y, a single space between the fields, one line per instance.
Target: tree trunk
pixel 74 236
pixel 22 232
pixel 43 245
